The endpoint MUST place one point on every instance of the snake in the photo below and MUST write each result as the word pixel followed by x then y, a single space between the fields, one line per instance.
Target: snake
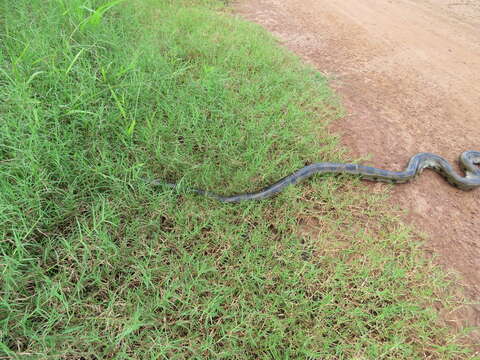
pixel 469 161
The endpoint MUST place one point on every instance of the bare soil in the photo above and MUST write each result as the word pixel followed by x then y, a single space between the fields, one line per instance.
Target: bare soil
pixel 408 72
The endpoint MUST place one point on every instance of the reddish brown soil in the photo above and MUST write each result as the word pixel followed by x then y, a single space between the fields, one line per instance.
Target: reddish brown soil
pixel 408 72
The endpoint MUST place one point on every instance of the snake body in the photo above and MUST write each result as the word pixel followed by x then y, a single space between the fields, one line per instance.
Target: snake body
pixel 468 160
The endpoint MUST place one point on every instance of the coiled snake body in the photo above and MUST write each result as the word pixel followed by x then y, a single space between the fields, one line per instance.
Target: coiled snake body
pixel 468 160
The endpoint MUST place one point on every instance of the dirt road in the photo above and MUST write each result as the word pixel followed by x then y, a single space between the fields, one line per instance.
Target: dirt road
pixel 409 75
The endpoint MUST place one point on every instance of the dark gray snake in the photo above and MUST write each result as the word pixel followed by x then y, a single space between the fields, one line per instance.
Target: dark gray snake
pixel 468 160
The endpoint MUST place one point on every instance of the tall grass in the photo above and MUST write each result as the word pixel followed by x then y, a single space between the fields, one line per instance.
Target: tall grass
pixel 97 95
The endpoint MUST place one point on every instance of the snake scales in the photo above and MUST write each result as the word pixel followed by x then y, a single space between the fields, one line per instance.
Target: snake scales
pixel 468 160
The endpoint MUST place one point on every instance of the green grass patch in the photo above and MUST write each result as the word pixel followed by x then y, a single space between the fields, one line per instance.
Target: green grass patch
pixel 97 95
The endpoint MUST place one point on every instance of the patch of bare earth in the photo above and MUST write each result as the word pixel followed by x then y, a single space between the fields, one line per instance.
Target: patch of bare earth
pixel 409 75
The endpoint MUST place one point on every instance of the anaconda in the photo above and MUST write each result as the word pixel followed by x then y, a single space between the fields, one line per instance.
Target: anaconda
pixel 469 161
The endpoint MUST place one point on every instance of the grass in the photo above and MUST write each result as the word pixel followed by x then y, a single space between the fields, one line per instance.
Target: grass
pixel 95 264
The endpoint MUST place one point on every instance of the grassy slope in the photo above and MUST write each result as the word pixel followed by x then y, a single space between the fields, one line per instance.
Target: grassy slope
pixel 97 264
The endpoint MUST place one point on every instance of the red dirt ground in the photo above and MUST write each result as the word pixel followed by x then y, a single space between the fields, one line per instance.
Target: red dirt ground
pixel 408 72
